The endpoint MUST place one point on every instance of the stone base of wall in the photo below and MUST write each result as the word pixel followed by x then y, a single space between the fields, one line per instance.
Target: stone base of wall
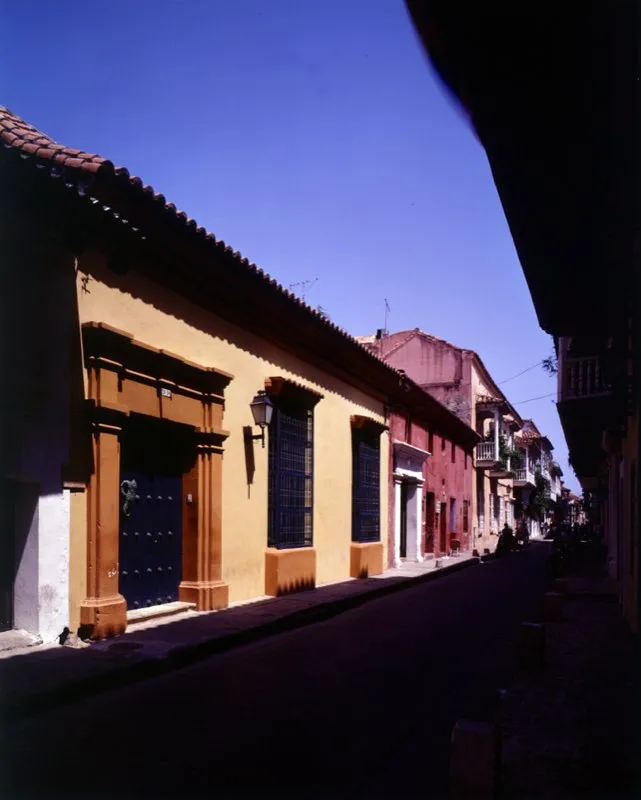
pixel 366 559
pixel 208 596
pixel 104 617
pixel 288 571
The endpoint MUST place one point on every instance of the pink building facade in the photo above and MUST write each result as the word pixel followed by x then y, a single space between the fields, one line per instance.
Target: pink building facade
pixel 431 488
pixel 459 380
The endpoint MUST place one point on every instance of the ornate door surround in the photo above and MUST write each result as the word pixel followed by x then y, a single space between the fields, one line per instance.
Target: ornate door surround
pixel 127 380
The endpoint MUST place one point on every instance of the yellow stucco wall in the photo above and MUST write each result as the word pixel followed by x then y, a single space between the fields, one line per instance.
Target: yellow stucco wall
pixel 159 318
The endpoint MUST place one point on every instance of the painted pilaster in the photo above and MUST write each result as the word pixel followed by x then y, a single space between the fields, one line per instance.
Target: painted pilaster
pixel 497 427
pixel 202 530
pixel 419 521
pixel 105 609
pixel 397 522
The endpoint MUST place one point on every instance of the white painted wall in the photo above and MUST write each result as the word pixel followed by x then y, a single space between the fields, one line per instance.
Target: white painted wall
pixel 41 590
pixel 25 596
pixel 53 564
pixel 41 505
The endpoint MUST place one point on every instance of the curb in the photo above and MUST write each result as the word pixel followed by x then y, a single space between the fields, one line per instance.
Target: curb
pixel 188 654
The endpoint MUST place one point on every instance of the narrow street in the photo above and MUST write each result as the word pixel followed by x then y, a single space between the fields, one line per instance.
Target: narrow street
pixel 358 706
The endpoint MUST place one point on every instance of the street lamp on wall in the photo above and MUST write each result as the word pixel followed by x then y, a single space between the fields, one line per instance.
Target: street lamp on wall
pixel 262 410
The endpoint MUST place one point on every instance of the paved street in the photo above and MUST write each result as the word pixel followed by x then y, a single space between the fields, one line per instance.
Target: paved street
pixel 359 706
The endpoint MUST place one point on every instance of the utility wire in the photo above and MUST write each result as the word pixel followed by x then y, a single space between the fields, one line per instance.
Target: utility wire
pixel 518 375
pixel 519 402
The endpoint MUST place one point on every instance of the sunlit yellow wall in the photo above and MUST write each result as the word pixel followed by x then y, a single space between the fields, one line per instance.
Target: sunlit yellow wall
pixel 157 317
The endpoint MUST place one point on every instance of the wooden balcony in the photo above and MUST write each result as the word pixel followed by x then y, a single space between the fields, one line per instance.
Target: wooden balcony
pixel 582 378
pixel 524 477
pixel 486 454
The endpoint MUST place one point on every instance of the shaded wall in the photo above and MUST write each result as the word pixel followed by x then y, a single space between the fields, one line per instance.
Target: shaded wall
pixel 38 297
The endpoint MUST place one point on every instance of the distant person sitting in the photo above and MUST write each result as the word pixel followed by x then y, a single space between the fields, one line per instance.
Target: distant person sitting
pixel 506 540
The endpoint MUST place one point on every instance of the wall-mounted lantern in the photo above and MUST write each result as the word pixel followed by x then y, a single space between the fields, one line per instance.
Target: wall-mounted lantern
pixel 262 410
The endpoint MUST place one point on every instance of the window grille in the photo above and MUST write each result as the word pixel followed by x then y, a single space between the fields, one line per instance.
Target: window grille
pixel 291 476
pixel 366 470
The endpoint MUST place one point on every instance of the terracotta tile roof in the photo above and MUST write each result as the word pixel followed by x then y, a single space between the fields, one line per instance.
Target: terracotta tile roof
pixel 530 434
pixel 109 184
pixel 16 133
pixel 488 398
pixel 88 168
pixel 527 437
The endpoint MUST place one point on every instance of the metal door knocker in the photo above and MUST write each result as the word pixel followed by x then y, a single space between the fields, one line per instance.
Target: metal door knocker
pixel 128 491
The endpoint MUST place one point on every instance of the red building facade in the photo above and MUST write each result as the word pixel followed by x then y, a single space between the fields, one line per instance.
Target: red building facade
pixel 430 487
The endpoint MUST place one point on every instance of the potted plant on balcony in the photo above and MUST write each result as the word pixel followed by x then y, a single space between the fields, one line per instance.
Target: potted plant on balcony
pixel 540 502
pixel 509 455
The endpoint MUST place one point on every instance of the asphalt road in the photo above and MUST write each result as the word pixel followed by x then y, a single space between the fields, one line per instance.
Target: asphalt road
pixel 359 706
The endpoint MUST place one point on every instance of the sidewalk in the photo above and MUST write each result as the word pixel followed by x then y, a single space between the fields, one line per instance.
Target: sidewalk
pixel 568 731
pixel 39 678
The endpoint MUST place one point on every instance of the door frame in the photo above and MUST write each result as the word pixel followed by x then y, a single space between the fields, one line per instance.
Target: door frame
pixel 409 464
pixel 429 522
pixel 128 379
pixel 402 531
pixel 442 537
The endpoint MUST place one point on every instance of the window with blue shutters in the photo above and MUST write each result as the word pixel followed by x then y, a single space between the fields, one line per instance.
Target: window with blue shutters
pixel 366 494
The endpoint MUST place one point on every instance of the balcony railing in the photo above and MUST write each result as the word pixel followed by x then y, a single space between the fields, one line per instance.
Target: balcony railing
pixel 486 451
pixel 583 377
pixel 523 476
pixel 543 468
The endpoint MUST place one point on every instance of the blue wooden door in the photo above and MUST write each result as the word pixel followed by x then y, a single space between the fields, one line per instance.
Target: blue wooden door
pixel 150 556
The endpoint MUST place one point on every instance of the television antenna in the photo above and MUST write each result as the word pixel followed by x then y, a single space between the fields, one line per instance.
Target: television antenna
pixel 305 285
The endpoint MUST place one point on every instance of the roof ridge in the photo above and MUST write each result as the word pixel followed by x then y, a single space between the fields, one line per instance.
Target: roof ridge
pixel 17 134
pixel 410 336
pixel 100 175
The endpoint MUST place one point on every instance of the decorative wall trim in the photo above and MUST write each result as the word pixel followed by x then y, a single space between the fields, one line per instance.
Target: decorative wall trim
pixel 289 389
pixel 368 425
pixel 409 461
pixel 130 381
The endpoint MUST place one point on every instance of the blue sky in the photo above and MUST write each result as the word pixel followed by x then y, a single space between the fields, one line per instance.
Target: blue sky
pixel 312 136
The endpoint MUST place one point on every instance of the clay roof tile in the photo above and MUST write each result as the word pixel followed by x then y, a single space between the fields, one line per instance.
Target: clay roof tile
pixel 19 135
